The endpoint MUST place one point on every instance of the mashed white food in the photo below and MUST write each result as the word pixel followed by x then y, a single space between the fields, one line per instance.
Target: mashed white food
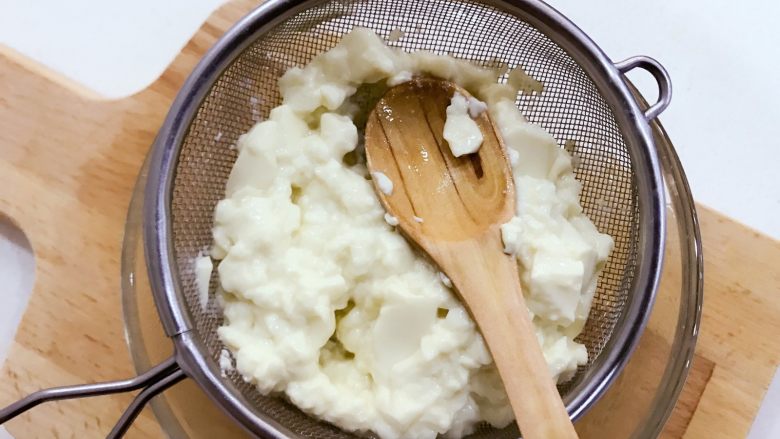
pixel 476 107
pixel 203 267
pixel 326 303
pixel 391 220
pixel 225 363
pixel 383 182
pixel 460 131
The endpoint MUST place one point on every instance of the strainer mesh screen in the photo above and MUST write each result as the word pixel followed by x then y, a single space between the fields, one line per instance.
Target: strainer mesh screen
pixel 570 108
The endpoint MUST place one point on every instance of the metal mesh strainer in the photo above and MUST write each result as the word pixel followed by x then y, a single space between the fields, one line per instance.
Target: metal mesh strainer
pixel 585 105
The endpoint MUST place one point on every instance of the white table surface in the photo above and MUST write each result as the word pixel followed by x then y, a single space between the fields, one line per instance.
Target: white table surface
pixel 722 59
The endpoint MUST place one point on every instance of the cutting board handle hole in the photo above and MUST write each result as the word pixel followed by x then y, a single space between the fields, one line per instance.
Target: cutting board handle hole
pixel 17 270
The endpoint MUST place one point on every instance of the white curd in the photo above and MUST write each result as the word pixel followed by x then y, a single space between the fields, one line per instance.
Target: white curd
pixel 460 131
pixel 325 302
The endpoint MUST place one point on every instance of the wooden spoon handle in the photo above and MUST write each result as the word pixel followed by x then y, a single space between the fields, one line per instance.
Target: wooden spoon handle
pixel 487 280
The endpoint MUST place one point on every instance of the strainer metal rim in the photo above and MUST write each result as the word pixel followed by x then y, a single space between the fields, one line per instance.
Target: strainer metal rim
pixel 164 281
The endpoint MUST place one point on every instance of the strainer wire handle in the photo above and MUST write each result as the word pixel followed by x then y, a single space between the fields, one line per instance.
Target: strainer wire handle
pixel 661 77
pixel 152 381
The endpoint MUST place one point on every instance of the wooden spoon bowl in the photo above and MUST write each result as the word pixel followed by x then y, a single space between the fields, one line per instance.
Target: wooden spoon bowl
pixel 457 197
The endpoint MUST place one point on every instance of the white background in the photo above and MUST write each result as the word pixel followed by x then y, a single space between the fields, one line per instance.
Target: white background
pixel 723 60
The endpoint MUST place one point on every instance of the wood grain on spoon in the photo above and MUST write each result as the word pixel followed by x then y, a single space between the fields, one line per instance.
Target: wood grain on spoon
pixel 463 202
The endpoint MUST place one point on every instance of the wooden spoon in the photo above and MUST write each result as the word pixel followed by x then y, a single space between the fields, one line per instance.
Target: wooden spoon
pixel 452 208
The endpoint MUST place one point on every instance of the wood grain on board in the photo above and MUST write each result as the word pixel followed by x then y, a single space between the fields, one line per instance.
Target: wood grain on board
pixel 68 162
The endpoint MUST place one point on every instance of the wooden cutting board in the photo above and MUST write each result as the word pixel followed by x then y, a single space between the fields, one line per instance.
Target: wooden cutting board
pixel 68 162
